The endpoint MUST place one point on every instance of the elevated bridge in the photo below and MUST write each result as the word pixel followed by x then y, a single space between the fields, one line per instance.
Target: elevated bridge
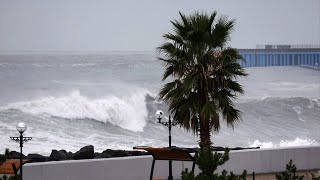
pixel 281 55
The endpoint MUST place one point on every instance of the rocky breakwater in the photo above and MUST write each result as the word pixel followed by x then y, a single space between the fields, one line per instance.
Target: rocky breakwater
pixel 86 152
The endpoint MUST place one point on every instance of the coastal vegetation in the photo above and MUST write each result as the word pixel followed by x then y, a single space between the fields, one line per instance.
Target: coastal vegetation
pixel 290 173
pixel 208 163
pixel 203 71
pixel 5 156
pixel 15 177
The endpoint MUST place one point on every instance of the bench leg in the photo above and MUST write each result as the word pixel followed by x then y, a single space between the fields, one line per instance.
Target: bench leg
pixel 193 166
pixel 194 162
pixel 152 167
pixel 15 170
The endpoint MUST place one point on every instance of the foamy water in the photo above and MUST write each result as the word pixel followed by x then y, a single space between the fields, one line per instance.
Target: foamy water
pixel 285 143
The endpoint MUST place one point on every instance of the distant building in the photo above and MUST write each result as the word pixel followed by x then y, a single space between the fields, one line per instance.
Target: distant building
pixel 281 55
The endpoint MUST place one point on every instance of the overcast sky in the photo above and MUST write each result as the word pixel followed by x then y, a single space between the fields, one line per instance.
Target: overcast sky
pixel 137 25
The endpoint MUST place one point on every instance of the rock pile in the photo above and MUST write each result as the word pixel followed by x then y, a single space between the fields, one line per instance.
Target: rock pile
pixel 86 152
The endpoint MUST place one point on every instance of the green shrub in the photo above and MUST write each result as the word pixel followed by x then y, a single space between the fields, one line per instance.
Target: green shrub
pixel 290 173
pixel 5 156
pixel 208 163
pixel 15 177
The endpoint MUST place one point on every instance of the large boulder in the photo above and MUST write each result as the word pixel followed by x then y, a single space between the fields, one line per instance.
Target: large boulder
pixel 104 154
pixel 58 155
pixel 109 153
pixel 70 155
pixel 115 153
pixel 86 152
pixel 16 155
pixel 37 158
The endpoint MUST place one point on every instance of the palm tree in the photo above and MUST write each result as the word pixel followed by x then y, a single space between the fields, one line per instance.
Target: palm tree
pixel 203 71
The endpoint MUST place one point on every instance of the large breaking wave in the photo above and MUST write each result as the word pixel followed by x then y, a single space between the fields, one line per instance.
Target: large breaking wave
pixel 128 112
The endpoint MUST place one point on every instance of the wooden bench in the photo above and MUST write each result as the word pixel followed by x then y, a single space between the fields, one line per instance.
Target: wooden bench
pixel 11 166
pixel 173 154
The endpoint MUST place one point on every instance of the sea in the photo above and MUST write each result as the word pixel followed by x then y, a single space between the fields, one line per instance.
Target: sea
pixel 108 99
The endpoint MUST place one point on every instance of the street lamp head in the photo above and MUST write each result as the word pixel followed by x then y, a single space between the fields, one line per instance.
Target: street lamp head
pixel 21 127
pixel 159 115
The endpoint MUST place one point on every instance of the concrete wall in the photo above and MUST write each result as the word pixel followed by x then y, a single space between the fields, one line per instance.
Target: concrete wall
pixel 138 168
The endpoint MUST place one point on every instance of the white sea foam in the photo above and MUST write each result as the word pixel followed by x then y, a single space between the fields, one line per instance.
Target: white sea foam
pixel 128 112
pixel 257 143
pixel 298 110
pixel 318 101
pixel 42 65
pixel 284 143
pixel 83 64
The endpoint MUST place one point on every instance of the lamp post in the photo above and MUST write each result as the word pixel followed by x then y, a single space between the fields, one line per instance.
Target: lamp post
pixel 21 128
pixel 169 124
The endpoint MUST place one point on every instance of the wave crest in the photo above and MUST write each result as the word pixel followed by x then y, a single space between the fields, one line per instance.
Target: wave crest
pixel 129 112
pixel 284 143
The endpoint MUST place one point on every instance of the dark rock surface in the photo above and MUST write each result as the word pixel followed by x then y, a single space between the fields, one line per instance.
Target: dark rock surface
pixel 37 158
pixel 58 155
pixel 70 155
pixel 16 155
pixel 115 153
pixel 86 152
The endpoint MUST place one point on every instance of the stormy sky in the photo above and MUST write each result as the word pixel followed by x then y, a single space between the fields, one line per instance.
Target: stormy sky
pixel 137 25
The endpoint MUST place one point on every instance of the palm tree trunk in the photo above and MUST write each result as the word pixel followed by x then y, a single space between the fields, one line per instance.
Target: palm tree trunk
pixel 205 128
pixel 205 134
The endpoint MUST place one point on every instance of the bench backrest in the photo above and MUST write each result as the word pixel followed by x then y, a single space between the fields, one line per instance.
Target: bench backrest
pixel 174 154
